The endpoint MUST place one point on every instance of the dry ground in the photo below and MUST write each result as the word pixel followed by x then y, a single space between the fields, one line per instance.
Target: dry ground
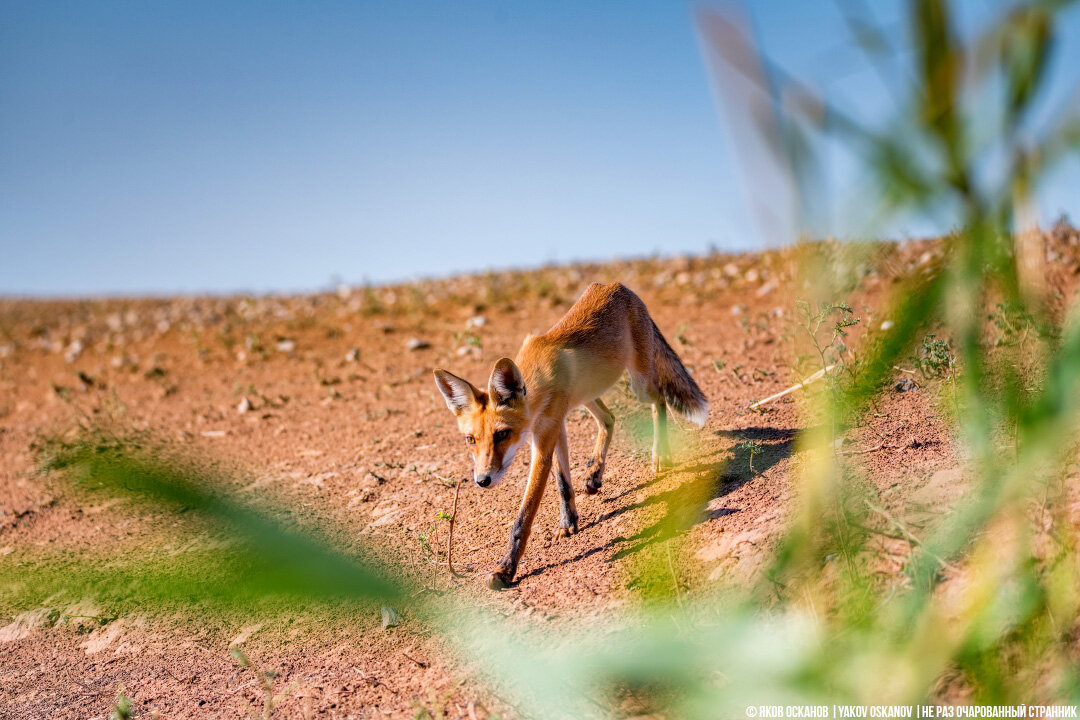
pixel 344 425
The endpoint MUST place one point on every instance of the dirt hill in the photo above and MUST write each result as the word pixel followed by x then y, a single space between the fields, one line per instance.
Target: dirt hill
pixel 325 404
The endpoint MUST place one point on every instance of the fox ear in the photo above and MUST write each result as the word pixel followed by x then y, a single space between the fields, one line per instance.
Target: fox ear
pixel 506 384
pixel 459 394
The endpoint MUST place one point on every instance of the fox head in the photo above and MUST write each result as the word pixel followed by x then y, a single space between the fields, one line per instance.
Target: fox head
pixel 494 423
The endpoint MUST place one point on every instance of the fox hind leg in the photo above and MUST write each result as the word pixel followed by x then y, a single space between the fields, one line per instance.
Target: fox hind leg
pixel 568 516
pixel 648 393
pixel 605 424
pixel 661 452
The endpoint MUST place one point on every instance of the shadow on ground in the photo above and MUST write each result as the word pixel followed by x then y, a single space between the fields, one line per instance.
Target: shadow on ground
pixel 711 476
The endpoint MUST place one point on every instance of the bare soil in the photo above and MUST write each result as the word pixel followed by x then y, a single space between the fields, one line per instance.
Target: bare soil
pixel 343 424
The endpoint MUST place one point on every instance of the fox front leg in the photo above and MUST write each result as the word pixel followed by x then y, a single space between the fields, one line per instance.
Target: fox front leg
pixel 568 517
pixel 542 449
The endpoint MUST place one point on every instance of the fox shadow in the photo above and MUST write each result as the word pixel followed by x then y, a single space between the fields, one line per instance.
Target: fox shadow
pixel 754 452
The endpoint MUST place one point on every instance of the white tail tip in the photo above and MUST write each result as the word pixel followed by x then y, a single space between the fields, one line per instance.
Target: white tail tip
pixel 699 414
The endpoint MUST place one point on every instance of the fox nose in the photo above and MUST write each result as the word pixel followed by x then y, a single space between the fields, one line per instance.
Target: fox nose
pixel 483 481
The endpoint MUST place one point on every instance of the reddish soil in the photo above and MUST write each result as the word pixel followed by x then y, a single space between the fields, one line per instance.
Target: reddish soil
pixel 360 441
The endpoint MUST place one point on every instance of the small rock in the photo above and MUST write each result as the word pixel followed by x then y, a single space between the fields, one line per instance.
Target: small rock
pixel 476 321
pixel 767 288
pixel 887 325
pixel 245 634
pixel 286 346
pixel 74 350
pixel 23 623
pixel 467 350
pixel 353 355
pixel 417 344
pixel 244 406
pixel 390 617
pixel 906 385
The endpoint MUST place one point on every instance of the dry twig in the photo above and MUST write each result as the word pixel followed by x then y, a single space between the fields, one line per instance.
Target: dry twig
pixel 450 533
pixel 813 378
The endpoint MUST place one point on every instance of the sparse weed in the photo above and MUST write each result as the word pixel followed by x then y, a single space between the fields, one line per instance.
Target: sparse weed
pixel 435 709
pixel 122 709
pixel 824 326
pixel 751 448
pixel 371 305
pixel 467 338
pixel 266 681
pixel 680 334
pixel 1013 324
pixel 935 357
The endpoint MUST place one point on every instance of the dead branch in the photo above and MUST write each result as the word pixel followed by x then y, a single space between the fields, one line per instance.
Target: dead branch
pixel 450 533
pixel 418 662
pixel 813 378
pixel 879 446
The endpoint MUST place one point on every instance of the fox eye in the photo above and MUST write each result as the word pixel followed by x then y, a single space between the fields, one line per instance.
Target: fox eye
pixel 501 435
pixel 470 440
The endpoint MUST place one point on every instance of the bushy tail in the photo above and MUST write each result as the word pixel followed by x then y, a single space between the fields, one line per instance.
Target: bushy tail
pixel 679 389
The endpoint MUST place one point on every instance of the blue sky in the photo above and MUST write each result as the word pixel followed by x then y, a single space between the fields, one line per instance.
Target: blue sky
pixel 152 147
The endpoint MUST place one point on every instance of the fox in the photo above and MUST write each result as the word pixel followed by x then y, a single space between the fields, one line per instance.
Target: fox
pixel 606 332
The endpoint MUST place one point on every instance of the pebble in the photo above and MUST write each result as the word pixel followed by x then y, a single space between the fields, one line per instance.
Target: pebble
pixel 74 350
pixel 417 344
pixel 390 617
pixel 906 385
pixel 476 321
pixel 245 405
pixel 767 288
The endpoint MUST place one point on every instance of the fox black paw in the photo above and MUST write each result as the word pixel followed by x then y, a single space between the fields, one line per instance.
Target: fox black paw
pixel 594 482
pixel 499 580
pixel 566 529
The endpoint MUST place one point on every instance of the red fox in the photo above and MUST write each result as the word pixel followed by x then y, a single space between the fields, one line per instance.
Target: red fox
pixel 608 330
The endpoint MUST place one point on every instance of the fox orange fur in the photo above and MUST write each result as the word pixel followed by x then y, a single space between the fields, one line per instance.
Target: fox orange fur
pixel 607 331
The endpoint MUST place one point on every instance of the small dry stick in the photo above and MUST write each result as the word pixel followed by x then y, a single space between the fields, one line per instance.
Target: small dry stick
pixel 879 446
pixel 434 555
pixel 813 378
pixel 450 533
pixel 418 662
pixel 909 537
